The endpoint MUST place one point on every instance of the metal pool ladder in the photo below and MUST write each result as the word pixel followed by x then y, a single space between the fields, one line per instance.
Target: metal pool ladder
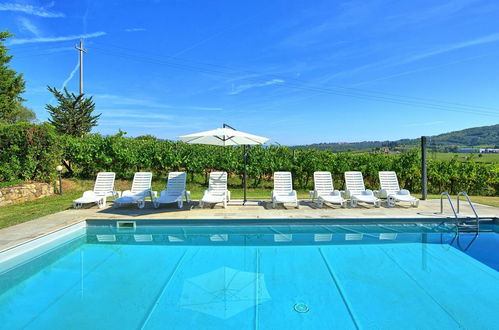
pixel 463 225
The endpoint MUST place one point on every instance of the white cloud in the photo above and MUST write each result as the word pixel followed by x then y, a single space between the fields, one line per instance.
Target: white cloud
pixel 114 113
pixel 21 41
pixel 135 30
pixel 148 103
pixel 29 26
pixel 31 10
pixel 242 88
pixel 71 75
pixel 449 48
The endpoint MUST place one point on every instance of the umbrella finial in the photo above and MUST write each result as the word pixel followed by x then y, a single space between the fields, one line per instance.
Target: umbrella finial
pixel 228 126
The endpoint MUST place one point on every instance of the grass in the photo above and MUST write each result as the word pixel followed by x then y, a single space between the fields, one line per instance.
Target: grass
pixel 9 183
pixel 484 158
pixel 18 213
pixel 485 200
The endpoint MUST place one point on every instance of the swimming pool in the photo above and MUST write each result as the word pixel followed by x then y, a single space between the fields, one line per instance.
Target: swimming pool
pixel 415 275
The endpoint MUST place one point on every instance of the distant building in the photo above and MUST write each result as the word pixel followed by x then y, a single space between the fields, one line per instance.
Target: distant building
pixel 471 150
pixel 479 150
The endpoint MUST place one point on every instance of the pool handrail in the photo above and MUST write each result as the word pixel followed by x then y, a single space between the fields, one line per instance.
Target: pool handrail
pixel 445 193
pixel 470 203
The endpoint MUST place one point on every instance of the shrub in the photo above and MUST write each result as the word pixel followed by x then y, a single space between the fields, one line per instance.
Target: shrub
pixel 29 152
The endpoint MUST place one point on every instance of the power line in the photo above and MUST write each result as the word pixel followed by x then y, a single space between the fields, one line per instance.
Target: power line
pixel 350 89
pixel 307 87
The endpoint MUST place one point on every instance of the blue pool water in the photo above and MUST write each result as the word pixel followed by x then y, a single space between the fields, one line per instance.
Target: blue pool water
pixel 268 277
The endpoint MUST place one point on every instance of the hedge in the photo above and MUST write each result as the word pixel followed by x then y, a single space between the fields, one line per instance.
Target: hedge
pixel 29 152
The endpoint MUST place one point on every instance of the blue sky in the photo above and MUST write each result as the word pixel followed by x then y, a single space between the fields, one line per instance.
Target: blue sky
pixel 294 71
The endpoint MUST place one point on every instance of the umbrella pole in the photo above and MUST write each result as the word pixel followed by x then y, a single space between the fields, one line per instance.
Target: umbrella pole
pixel 244 174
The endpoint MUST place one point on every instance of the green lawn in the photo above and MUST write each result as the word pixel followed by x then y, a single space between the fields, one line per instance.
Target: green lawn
pixel 18 213
pixel 484 158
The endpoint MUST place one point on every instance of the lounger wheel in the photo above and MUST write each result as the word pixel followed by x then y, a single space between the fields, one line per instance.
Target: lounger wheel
pixel 77 205
pixel 141 204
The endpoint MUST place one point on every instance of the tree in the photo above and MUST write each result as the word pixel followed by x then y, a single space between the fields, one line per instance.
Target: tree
pixel 73 115
pixel 12 84
pixel 23 114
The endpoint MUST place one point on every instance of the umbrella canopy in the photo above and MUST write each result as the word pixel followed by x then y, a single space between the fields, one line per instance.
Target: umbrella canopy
pixel 223 137
pixel 224 292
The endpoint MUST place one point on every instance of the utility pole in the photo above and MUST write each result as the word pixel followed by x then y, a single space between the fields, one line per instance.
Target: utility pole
pixel 424 171
pixel 81 50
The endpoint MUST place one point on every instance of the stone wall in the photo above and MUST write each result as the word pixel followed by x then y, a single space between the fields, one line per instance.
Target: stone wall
pixel 24 192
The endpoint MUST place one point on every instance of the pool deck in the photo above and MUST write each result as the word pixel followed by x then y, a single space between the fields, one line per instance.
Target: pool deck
pixel 429 209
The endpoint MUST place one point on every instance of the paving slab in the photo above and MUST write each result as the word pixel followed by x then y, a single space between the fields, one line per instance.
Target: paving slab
pixel 429 209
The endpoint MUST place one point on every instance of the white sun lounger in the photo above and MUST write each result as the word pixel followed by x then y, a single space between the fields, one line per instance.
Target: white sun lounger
pixel 175 191
pixel 217 190
pixel 390 190
pixel 324 191
pixel 103 187
pixel 283 190
pixel 141 189
pixel 356 190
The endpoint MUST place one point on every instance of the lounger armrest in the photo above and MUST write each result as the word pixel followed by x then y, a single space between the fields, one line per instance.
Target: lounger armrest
pixel 404 192
pixel 126 193
pixel 295 194
pixel 188 196
pixel 382 194
pixel 116 193
pixel 272 195
pixel 206 192
pixel 90 194
pixel 368 192
pixel 347 194
pixel 162 192
pixel 336 193
pixel 313 195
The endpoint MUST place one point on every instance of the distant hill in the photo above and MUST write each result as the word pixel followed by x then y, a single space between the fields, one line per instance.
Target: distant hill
pixel 470 137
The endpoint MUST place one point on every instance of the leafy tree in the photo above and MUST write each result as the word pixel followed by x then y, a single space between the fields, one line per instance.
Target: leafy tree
pixel 73 116
pixel 12 84
pixel 23 114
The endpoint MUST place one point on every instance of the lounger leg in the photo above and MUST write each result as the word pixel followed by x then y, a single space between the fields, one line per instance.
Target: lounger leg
pixel 180 204
pixel 141 203
pixel 353 203
pixel 273 204
pixel 297 205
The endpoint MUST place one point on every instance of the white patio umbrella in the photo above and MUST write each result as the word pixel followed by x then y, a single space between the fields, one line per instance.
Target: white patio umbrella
pixel 225 136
